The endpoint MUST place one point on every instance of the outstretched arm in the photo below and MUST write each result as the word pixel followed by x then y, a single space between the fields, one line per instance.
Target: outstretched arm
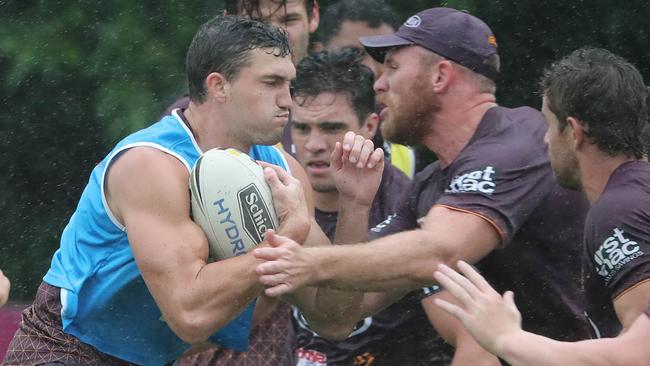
pixel 400 261
pixel 494 321
pixel 5 286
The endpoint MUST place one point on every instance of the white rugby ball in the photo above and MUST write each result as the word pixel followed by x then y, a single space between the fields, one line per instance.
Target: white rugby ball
pixel 231 202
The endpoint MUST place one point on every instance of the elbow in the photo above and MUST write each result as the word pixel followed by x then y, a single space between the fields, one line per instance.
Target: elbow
pixel 191 328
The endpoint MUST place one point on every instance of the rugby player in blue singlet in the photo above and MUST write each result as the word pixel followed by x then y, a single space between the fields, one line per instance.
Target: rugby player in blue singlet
pixel 131 282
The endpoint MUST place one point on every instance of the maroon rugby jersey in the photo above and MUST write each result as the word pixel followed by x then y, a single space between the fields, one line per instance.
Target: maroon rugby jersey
pixel 617 244
pixel 400 334
pixel 503 175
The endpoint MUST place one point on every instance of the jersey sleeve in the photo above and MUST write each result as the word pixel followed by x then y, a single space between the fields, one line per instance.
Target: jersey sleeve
pixel 405 218
pixel 501 184
pixel 617 241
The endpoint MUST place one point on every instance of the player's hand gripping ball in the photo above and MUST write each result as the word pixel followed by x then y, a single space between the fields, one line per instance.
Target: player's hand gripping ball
pixel 231 202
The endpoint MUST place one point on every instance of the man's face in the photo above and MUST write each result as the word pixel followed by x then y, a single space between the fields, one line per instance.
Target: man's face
pixel 317 124
pixel 349 34
pixel 405 91
pixel 561 154
pixel 293 18
pixel 258 99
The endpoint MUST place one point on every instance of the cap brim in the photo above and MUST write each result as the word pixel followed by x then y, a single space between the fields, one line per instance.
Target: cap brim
pixel 377 46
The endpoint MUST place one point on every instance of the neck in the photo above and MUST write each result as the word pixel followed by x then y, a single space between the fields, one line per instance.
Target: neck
pixel 596 167
pixel 596 170
pixel 211 129
pixel 327 201
pixel 455 125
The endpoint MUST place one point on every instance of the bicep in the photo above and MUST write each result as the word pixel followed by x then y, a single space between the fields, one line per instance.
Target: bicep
pixel 632 302
pixel 462 234
pixel 149 191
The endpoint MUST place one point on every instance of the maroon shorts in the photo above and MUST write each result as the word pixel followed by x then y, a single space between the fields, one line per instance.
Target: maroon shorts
pixel 41 340
pixel 270 345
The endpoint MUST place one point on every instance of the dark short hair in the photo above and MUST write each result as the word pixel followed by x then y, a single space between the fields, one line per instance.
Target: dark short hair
pixel 372 12
pixel 337 71
pixel 251 8
pixel 223 45
pixel 606 94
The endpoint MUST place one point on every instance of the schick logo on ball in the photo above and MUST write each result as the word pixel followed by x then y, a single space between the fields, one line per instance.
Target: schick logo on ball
pixel 230 227
pixel 255 213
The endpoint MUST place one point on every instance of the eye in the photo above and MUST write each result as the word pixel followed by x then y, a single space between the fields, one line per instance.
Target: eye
pixel 331 128
pixel 300 128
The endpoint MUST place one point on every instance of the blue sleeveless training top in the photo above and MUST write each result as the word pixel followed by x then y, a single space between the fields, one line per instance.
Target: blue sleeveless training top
pixel 105 301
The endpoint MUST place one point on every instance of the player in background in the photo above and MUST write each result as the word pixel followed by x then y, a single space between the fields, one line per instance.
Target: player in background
pixel 131 282
pixel 342 23
pixel 490 199
pixel 595 104
pixel 332 95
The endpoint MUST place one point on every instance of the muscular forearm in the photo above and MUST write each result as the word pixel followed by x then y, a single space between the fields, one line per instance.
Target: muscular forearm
pixel 219 292
pixel 403 261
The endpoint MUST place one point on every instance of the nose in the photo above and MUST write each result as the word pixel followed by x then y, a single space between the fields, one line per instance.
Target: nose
pixel 315 141
pixel 284 99
pixel 381 84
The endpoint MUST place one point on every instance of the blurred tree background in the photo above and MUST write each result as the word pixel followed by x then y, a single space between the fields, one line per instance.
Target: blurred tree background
pixel 75 76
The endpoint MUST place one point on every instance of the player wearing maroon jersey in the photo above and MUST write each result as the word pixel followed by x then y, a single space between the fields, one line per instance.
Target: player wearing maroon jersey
pixel 595 105
pixel 490 199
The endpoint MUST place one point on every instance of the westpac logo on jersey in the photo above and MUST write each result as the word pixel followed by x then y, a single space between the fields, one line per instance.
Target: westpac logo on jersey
pixel 614 253
pixel 477 181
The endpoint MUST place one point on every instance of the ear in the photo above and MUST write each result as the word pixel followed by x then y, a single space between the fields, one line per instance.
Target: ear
pixel 315 18
pixel 577 132
pixel 443 75
pixel 217 86
pixel 370 125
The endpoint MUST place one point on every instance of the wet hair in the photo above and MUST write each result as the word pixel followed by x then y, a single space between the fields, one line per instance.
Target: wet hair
pixel 606 94
pixel 251 8
pixel 337 71
pixel 224 45
pixel 372 12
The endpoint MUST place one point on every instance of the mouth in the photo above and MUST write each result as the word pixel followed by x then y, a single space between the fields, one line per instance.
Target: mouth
pixel 383 112
pixel 318 167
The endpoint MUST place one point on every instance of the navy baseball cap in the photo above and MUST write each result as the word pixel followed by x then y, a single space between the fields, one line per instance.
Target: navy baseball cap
pixel 450 33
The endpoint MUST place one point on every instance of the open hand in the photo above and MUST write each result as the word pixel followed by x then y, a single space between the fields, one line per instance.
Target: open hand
pixel 487 316
pixel 357 168
pixel 287 265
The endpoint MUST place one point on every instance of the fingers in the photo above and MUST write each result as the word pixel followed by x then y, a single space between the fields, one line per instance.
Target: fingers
pixel 376 158
pixel 444 279
pixel 475 277
pixel 509 298
pixel 279 290
pixel 336 158
pixel 269 254
pixel 455 310
pixel 282 174
pixel 358 150
pixel 273 279
pixel 460 280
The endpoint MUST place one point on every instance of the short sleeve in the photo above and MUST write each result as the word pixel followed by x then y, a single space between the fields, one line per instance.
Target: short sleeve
pixel 502 184
pixel 617 241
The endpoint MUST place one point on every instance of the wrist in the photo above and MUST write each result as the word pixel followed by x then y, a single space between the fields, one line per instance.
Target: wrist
pixel 505 345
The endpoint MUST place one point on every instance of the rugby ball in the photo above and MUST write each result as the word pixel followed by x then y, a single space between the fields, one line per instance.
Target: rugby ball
pixel 231 202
